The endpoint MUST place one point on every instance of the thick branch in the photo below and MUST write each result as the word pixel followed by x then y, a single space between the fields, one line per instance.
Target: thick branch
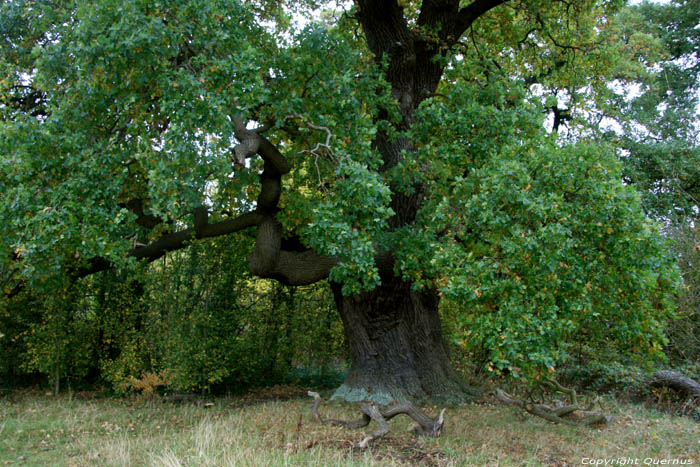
pixel 384 26
pixel 267 259
pixel 251 143
pixel 271 189
pixel 348 424
pixel 303 268
pixel 452 20
pixel 677 381
pixel 177 240
pixel 292 267
pixel 474 10
pixel 271 154
pixel 427 426
pixel 373 412
pixel 263 260
pixel 267 249
pixel 560 116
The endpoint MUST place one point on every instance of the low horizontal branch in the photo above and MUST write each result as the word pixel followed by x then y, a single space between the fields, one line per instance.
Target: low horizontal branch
pixel 177 240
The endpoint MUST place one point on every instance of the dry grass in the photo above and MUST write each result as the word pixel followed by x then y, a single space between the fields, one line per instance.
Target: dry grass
pixel 38 430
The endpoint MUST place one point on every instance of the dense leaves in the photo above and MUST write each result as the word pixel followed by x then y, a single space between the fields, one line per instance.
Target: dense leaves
pixel 121 123
pixel 192 323
pixel 660 119
pixel 540 243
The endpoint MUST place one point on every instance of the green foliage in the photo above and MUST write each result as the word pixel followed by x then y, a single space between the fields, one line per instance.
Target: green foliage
pixel 534 239
pixel 348 225
pixel 120 305
pixel 628 381
pixel 114 77
pixel 212 326
pixel 17 319
pixel 198 312
pixel 684 331
pixel 138 98
pixel 193 322
pixel 661 155
pixel 547 245
pixel 661 133
pixel 58 344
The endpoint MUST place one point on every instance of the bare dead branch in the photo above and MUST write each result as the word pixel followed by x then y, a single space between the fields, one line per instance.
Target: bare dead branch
pixel 373 412
pixel 320 150
pixel 572 414
pixel 427 426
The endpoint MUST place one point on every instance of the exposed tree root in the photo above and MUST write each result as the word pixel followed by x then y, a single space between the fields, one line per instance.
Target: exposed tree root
pixel 427 426
pixel 572 414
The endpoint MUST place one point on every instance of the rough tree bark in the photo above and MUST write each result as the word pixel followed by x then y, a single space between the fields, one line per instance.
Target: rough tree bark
pixel 397 348
pixel 677 381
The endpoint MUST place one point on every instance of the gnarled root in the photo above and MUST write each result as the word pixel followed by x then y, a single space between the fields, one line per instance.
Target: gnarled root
pixel 426 426
pixel 558 412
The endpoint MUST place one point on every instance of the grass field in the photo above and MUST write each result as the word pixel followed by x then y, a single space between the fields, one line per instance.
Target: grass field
pixel 40 430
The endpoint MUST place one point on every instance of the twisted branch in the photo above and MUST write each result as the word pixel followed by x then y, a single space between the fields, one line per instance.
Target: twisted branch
pixel 557 412
pixel 426 426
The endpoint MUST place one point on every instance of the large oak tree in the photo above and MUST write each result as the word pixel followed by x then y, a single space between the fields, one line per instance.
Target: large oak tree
pixel 397 149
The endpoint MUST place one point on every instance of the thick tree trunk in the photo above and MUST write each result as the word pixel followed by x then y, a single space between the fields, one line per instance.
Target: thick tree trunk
pixel 394 334
pixel 397 349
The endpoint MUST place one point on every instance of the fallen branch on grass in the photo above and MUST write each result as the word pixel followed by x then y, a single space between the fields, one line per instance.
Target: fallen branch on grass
pixel 427 426
pixel 677 381
pixel 572 414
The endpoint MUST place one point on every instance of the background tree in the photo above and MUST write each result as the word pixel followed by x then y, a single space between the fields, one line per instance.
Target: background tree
pixel 386 149
pixel 661 154
pixel 658 109
pixel 194 322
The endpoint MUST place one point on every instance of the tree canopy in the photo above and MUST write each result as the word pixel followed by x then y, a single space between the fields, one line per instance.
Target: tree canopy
pixel 414 143
pixel 662 134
